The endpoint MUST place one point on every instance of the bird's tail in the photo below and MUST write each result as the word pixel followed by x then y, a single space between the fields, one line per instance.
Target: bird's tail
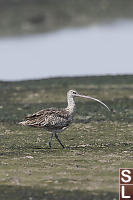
pixel 23 123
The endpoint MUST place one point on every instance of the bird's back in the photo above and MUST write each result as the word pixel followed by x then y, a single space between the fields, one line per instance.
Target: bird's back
pixel 51 118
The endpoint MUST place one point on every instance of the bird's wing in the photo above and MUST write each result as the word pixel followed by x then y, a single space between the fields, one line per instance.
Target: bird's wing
pixel 48 118
pixel 35 115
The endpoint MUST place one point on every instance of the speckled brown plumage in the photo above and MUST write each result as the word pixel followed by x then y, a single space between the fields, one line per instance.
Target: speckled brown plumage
pixel 51 119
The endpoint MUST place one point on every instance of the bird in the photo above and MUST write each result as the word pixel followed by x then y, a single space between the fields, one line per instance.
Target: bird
pixel 56 120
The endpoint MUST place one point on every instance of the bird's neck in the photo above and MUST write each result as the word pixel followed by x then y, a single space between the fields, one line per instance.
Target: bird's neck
pixel 71 108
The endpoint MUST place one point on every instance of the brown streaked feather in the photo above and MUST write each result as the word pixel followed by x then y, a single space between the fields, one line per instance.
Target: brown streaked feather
pixel 39 113
pixel 49 118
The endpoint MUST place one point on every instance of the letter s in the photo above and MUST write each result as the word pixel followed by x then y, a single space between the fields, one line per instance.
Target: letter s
pixel 123 173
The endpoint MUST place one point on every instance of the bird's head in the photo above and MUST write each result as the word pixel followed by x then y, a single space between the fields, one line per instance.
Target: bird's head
pixel 73 93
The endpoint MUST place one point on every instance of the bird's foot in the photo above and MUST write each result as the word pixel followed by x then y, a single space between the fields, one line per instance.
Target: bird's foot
pixel 62 146
pixel 50 146
pixel 56 136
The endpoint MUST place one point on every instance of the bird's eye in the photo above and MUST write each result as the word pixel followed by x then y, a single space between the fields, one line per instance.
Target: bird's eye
pixel 74 92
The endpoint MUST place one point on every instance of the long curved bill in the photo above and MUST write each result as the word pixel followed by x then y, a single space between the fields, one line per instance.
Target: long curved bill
pixel 88 97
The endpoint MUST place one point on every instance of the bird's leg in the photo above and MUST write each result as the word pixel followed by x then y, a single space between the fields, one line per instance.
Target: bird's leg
pixel 50 141
pixel 56 136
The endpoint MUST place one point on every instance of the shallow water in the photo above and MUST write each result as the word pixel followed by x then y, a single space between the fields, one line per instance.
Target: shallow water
pixel 94 50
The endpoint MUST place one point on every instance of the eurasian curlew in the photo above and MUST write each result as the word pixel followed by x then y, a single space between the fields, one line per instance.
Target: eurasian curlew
pixel 56 120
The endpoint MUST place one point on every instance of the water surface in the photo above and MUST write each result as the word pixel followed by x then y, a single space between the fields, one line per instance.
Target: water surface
pixel 94 50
